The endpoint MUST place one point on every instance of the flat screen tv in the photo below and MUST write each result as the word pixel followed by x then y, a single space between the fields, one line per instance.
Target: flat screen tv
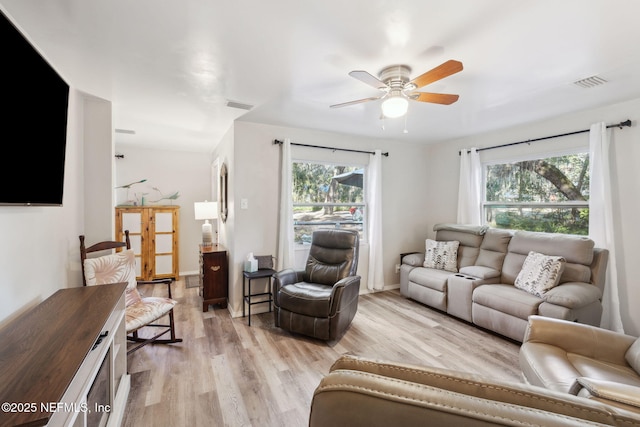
pixel 35 101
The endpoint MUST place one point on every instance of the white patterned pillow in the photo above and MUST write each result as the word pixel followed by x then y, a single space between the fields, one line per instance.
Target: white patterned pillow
pixel 115 268
pixel 540 273
pixel 442 255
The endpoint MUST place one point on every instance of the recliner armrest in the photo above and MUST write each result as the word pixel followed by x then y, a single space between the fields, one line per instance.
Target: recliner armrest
pixel 347 281
pixel 609 390
pixel 579 338
pixel 415 260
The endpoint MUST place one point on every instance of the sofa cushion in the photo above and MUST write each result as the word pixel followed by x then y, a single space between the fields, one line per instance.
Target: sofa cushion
pixel 494 248
pixel 632 356
pixel 430 278
pixel 470 238
pixel 539 273
pixel 442 255
pixel 507 299
pixel 575 249
pixel 480 272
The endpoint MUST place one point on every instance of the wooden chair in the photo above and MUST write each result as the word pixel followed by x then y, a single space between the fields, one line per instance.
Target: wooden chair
pixel 119 266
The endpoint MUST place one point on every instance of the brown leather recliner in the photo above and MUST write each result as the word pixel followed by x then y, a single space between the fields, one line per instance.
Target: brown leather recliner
pixel 321 300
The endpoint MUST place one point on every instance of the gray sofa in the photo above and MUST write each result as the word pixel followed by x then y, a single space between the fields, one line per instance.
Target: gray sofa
pixel 482 290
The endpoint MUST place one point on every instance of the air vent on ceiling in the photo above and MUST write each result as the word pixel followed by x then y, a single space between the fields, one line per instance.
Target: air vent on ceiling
pixel 590 82
pixel 234 104
pixel 127 131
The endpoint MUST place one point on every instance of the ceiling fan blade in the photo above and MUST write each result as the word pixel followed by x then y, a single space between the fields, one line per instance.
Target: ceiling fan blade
pixel 440 72
pixel 367 78
pixel 358 101
pixel 436 98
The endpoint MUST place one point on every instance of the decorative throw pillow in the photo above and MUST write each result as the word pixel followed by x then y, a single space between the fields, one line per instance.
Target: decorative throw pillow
pixel 442 255
pixel 114 268
pixel 540 273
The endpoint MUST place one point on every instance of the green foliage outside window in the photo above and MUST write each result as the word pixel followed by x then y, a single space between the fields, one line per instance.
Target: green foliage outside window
pixel 322 201
pixel 548 194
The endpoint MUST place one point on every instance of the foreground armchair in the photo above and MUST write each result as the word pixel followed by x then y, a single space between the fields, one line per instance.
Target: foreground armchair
pixel 359 392
pixel 322 300
pixel 582 360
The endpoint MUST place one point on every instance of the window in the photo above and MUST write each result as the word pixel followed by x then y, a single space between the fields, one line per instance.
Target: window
pixel 546 194
pixel 327 196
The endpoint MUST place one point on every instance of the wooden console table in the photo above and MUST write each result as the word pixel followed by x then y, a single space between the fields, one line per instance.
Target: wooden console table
pixel 53 355
pixel 214 276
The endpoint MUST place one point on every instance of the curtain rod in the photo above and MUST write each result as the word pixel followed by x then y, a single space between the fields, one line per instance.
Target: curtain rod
pixel 620 125
pixel 275 141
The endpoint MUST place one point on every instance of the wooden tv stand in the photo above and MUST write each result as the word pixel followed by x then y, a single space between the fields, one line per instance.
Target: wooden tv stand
pixel 52 363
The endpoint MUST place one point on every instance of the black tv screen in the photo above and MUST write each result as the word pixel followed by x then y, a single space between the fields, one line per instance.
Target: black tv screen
pixel 34 124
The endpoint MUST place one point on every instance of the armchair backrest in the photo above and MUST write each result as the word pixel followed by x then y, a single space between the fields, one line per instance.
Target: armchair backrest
pixel 333 256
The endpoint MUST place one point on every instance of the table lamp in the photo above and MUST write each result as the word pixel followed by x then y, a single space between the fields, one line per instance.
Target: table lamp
pixel 206 210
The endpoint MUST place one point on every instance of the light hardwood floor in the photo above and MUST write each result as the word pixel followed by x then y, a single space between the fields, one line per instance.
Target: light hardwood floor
pixel 226 373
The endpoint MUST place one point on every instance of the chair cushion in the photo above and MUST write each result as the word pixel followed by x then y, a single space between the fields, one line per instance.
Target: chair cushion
pixel 146 311
pixel 332 256
pixel 309 299
pixel 442 255
pixel 118 267
pixel 539 273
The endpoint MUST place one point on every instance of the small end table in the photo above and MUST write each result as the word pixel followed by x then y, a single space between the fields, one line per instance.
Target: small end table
pixel 247 295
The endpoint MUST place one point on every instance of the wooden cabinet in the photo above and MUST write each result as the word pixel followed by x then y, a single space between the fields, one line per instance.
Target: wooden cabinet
pixel 64 363
pixel 153 231
pixel 214 276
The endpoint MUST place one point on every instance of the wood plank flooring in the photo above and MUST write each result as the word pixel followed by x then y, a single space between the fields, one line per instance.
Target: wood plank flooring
pixel 226 373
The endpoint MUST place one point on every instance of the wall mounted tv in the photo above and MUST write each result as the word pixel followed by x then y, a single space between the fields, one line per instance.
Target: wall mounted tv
pixel 34 124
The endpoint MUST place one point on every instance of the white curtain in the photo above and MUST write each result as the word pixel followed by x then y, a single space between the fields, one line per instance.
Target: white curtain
pixel 601 221
pixel 375 281
pixel 469 187
pixel 285 257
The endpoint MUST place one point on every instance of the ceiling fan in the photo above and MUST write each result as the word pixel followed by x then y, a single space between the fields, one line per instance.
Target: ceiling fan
pixel 398 89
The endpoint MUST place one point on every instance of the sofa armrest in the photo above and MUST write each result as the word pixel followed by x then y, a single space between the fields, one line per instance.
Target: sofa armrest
pixel 360 392
pixel 579 338
pixel 609 390
pixel 415 259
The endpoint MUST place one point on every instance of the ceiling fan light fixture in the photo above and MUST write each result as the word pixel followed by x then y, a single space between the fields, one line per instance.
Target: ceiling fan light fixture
pixel 395 106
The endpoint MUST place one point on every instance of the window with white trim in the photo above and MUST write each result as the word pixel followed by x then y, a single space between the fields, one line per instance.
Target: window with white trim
pixel 549 193
pixel 327 195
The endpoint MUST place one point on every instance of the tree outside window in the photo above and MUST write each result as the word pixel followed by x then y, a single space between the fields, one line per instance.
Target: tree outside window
pixel 547 194
pixel 327 196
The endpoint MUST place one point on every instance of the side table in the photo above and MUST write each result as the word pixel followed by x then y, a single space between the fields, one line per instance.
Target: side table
pixel 247 277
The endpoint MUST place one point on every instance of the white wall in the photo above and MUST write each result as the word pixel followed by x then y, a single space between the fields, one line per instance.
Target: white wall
pixel 255 176
pixel 40 252
pixel 444 169
pixel 189 173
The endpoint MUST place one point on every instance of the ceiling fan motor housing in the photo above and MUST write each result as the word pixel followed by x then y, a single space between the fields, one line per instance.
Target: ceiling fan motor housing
pixel 395 76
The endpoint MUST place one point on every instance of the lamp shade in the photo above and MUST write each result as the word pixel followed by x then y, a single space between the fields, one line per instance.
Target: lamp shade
pixel 205 210
pixel 395 106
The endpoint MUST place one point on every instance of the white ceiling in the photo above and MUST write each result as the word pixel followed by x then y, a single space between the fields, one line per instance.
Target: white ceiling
pixel 170 66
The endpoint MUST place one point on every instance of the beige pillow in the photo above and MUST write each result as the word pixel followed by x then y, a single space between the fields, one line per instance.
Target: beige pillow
pixel 442 255
pixel 540 273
